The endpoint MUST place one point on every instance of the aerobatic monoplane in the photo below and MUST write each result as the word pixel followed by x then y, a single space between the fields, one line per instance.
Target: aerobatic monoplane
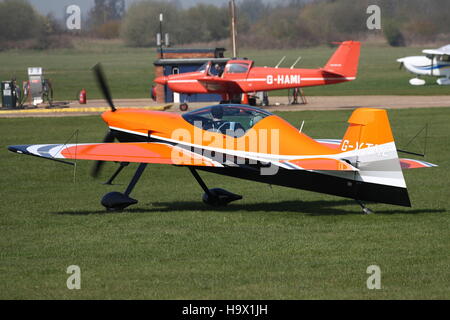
pixel 246 142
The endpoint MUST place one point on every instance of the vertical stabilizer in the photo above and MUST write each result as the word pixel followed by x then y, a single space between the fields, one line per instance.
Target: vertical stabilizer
pixel 369 144
pixel 345 60
pixel 367 127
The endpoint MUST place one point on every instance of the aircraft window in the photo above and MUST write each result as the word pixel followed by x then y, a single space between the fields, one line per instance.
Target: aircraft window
pixel 232 120
pixel 203 67
pixel 216 70
pixel 237 68
pixel 445 58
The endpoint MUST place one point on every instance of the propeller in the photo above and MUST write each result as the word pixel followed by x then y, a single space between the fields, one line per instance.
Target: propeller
pixel 101 80
pixel 109 137
pixel 401 66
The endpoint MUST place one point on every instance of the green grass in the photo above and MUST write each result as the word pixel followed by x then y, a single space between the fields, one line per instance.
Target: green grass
pixel 130 71
pixel 276 243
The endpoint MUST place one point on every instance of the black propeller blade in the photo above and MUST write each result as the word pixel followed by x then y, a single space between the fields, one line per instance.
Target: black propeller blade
pixel 109 137
pixel 98 71
pixel 401 66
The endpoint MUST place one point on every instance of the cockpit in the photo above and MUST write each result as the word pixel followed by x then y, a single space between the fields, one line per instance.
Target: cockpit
pixel 204 67
pixel 232 120
pixel 444 58
pixel 237 67
pixel 211 69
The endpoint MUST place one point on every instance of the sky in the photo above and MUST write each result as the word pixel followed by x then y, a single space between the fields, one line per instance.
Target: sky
pixel 57 7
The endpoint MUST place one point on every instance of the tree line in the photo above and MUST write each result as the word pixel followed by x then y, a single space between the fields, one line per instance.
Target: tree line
pixel 261 24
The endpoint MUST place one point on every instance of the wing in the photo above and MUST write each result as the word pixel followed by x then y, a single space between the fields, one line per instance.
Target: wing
pixel 438 52
pixel 143 152
pixel 216 84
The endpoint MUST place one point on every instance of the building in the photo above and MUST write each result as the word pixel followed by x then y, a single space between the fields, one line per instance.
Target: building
pixel 181 60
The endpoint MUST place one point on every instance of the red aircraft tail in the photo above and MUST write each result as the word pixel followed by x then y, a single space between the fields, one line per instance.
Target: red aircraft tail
pixel 345 59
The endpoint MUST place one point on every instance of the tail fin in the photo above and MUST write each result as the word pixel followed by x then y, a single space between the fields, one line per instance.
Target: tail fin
pixel 368 127
pixel 369 145
pixel 345 59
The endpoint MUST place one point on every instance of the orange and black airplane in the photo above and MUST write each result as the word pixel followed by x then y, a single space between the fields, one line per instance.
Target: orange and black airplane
pixel 247 143
pixel 241 77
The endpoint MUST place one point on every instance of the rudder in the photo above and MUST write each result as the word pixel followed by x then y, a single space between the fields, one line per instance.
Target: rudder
pixel 368 144
pixel 367 127
pixel 345 60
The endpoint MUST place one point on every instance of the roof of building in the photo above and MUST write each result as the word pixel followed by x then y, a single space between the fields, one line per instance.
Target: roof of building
pixel 190 50
pixel 199 61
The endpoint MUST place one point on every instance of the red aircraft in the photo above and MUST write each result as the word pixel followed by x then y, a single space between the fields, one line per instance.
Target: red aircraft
pixel 240 77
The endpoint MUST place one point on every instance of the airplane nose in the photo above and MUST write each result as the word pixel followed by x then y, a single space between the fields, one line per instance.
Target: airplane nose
pixel 161 80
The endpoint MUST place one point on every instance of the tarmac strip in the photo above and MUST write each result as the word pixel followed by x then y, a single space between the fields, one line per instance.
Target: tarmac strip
pixel 277 103
pixel 76 110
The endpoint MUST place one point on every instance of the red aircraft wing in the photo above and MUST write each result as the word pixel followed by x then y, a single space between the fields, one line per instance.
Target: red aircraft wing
pixel 216 84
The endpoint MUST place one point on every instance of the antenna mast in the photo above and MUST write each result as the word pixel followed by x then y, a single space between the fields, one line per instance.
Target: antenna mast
pixel 233 27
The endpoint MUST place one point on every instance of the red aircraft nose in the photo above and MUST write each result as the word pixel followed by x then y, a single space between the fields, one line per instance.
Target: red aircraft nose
pixel 161 80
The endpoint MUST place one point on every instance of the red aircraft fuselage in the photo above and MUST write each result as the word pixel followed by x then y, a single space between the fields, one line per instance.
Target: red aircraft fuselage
pixel 240 76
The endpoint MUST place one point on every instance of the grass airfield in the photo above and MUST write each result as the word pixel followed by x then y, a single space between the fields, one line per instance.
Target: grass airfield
pixel 130 71
pixel 276 243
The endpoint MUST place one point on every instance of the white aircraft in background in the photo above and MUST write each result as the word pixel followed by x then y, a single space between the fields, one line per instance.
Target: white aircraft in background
pixel 436 63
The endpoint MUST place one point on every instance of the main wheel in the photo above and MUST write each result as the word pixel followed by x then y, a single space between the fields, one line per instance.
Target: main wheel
pixel 367 211
pixel 217 197
pixel 184 106
pixel 117 201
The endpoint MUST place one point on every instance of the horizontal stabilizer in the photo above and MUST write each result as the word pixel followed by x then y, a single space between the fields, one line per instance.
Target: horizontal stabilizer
pixel 320 164
pixel 415 164
pixel 330 143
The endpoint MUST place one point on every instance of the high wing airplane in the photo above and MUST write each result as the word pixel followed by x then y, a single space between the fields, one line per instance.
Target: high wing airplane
pixel 241 77
pixel 249 143
pixel 435 63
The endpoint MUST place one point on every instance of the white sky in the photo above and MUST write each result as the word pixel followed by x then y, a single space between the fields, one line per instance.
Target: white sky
pixel 57 7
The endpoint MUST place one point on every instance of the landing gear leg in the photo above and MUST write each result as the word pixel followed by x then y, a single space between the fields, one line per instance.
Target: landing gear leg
pixel 117 201
pixel 122 165
pixel 365 210
pixel 214 197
